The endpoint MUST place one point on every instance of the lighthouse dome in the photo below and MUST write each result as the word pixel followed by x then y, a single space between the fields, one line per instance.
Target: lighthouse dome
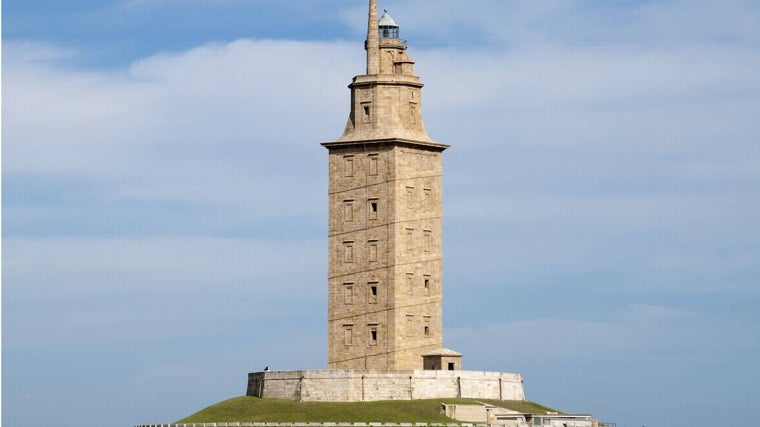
pixel 388 26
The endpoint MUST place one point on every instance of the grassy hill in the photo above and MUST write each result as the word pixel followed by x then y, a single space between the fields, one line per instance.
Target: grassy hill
pixel 254 409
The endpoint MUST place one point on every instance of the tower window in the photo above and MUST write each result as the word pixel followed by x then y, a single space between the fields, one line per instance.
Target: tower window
pixel 428 240
pixel 365 112
pixel 373 164
pixel 348 166
pixel 348 334
pixel 427 331
pixel 348 210
pixel 409 239
pixel 348 251
pixel 426 284
pixel 373 334
pixel 373 250
pixel 409 324
pixel 348 292
pixel 409 283
pixel 410 197
pixel 373 208
pixel 372 293
pixel 412 114
pixel 428 198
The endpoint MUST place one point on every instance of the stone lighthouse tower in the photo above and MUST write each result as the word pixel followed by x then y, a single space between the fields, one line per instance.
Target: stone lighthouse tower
pixel 384 275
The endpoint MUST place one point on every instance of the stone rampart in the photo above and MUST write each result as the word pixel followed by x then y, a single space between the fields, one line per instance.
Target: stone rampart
pixel 337 385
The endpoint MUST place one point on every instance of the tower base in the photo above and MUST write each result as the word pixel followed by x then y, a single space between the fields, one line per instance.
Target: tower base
pixel 352 385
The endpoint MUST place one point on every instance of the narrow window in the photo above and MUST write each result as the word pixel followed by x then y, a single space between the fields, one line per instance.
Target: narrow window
pixel 451 366
pixel 428 240
pixel 348 166
pixel 426 328
pixel 373 208
pixel 348 292
pixel 409 283
pixel 409 325
pixel 426 284
pixel 409 239
pixel 373 164
pixel 410 197
pixel 348 251
pixel 348 210
pixel 427 331
pixel 428 198
pixel 373 250
pixel 365 112
pixel 348 334
pixel 373 334
pixel 411 115
pixel 372 293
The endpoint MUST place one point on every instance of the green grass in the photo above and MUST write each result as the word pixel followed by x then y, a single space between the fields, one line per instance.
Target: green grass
pixel 254 409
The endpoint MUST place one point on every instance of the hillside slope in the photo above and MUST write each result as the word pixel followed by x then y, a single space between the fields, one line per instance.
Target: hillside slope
pixel 254 409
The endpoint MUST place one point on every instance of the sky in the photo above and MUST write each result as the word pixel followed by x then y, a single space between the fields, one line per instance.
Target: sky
pixel 164 199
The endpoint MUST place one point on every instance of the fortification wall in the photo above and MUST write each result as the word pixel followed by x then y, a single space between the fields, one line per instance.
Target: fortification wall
pixel 371 385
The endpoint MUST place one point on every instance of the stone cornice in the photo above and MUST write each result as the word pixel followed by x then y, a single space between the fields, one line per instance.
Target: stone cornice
pixel 398 141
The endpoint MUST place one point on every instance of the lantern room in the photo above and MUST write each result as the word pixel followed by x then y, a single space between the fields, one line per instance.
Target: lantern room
pixel 388 26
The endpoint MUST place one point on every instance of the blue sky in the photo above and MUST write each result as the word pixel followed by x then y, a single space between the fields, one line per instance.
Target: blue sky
pixel 164 199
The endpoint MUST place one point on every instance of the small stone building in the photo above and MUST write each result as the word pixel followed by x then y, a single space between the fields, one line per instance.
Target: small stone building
pixel 442 360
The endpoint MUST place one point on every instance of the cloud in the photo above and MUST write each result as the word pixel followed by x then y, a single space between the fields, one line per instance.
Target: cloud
pixel 54 268
pixel 643 143
pixel 627 336
pixel 95 291
pixel 494 23
pixel 202 98
pixel 645 354
pixel 208 127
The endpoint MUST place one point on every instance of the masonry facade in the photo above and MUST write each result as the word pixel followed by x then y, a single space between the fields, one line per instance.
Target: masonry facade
pixel 336 385
pixel 385 182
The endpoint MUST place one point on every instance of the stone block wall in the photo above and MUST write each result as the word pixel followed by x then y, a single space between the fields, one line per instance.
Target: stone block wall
pixel 385 253
pixel 472 413
pixel 373 385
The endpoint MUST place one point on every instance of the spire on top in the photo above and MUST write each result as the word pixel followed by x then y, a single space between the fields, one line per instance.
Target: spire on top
pixel 373 40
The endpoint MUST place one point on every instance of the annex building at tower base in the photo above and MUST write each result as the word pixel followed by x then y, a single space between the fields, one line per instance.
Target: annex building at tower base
pixel 353 385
